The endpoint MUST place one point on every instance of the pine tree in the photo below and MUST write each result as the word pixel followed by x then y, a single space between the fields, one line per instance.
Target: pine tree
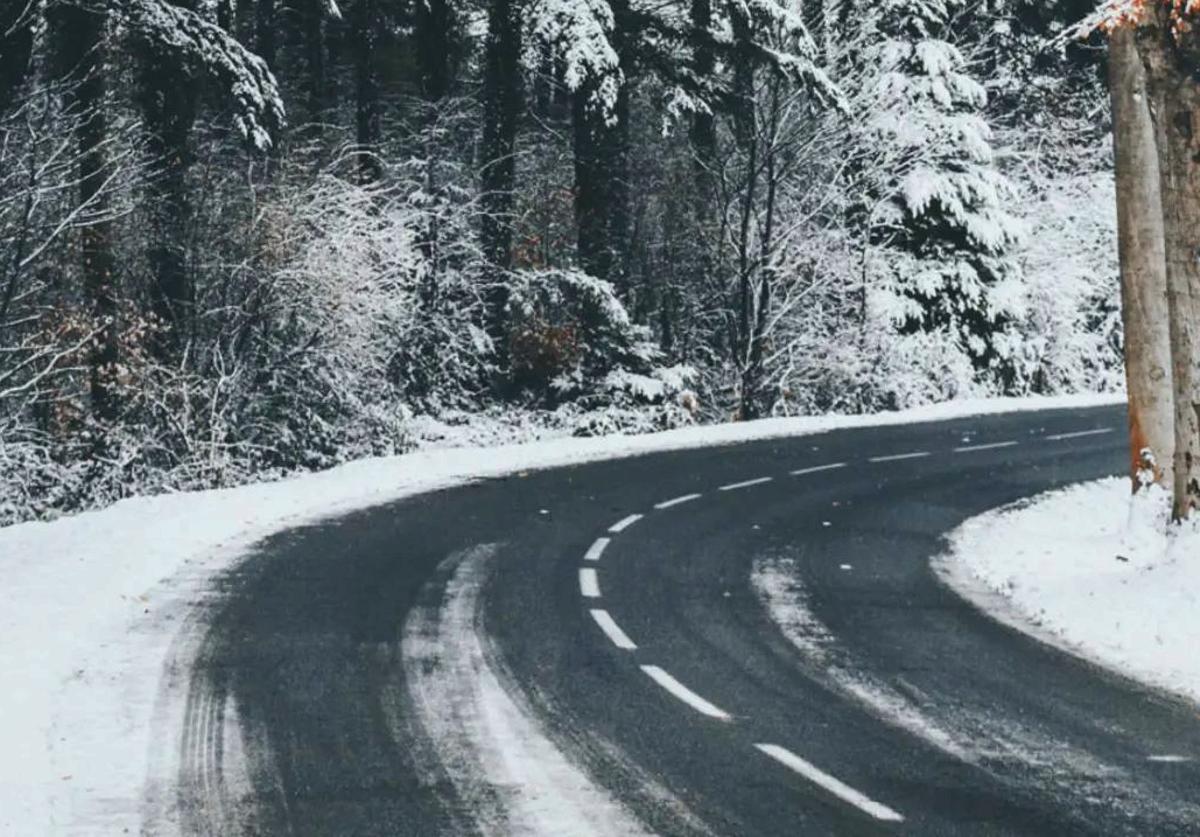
pixel 946 238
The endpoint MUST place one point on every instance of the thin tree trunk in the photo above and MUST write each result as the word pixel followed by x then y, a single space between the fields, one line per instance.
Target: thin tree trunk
pixel 1143 269
pixel 1175 108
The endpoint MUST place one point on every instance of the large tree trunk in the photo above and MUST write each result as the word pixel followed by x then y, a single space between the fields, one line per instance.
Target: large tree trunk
pixel 168 98
pixel 601 149
pixel 601 189
pixel 435 34
pixel 81 41
pixel 317 81
pixel 16 47
pixel 368 131
pixel 1143 269
pixel 1175 108
pixel 501 112
pixel 266 41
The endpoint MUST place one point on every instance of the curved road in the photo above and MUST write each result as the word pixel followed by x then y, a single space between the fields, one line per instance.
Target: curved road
pixel 774 656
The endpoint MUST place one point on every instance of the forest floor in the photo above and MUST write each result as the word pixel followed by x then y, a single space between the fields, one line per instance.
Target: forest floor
pixel 1088 569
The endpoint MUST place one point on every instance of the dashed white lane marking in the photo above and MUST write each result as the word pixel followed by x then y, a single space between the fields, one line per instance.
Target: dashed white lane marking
pixel 916 454
pixel 1169 758
pixel 835 786
pixel 685 694
pixel 733 486
pixel 1078 434
pixel 612 630
pixel 988 446
pixel 589 583
pixel 597 549
pixel 832 466
pixel 686 498
pixel 624 523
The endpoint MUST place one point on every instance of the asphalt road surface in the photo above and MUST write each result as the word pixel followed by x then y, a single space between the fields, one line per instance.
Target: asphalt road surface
pixel 594 650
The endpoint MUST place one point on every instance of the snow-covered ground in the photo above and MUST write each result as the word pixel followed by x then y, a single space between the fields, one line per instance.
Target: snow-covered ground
pixel 95 608
pixel 1089 569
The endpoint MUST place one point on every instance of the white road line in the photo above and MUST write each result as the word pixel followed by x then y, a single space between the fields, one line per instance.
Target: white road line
pixel 989 446
pixel 684 693
pixel 596 549
pixel 589 584
pixel 835 786
pixel 1168 759
pixel 1078 433
pixel 917 454
pixel 613 631
pixel 686 498
pixel 624 523
pixel 817 469
pixel 733 486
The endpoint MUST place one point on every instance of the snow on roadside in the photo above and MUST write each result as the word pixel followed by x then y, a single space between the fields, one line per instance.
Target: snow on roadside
pixel 1088 569
pixel 91 605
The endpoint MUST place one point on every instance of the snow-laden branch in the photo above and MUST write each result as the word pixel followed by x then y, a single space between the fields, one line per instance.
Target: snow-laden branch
pixel 204 49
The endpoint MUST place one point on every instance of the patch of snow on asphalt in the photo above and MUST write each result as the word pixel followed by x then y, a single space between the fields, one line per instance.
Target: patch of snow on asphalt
pixel 779 589
pixel 91 605
pixel 1089 569
pixel 515 782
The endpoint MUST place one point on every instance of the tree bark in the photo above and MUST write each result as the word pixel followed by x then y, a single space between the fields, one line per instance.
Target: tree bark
pixel 265 40
pixel 368 131
pixel 1143 269
pixel 315 59
pixel 435 26
pixel 502 95
pixel 1175 109
pixel 601 190
pixel 168 97
pixel 601 149
pixel 16 48
pixel 81 34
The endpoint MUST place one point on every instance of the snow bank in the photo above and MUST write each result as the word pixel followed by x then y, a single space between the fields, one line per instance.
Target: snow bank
pixel 92 605
pixel 1089 570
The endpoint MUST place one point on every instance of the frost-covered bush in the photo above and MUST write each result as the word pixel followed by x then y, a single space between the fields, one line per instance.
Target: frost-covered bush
pixel 571 341
pixel 363 330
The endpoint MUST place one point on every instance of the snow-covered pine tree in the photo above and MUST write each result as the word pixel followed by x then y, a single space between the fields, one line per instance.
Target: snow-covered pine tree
pixel 944 243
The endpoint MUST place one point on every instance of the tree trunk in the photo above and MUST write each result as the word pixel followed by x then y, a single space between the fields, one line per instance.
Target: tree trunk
pixel 436 47
pixel 1143 268
pixel 314 52
pixel 601 193
pixel 501 113
pixel 81 34
pixel 16 49
pixel 601 148
pixel 1175 108
pixel 265 39
pixel 366 92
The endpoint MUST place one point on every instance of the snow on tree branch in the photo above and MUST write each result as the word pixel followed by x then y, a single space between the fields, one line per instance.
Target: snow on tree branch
pixel 579 32
pixel 202 48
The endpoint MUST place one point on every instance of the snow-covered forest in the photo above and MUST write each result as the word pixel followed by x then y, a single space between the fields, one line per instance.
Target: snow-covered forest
pixel 240 238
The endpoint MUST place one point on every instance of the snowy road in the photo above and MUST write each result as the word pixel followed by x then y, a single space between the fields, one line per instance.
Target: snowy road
pixel 743 640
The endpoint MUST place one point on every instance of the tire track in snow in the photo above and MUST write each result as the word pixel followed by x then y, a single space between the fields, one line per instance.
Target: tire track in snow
pixel 777 585
pixel 503 767
pixel 1005 747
